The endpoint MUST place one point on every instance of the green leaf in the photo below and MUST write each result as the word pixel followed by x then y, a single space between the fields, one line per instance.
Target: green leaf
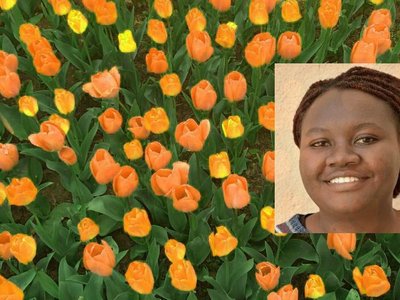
pixel 295 249
pixel 24 279
pixel 48 284
pixel 72 55
pixel 108 205
pixel 93 289
pixel 159 234
pixel 245 232
pixel 176 218
pixel 153 256
pixel 197 250
pixel 353 295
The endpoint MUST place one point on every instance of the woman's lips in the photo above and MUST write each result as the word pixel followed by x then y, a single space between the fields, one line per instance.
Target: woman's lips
pixel 345 183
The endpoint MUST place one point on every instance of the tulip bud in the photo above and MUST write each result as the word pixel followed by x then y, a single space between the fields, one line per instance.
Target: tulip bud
pixel 223 242
pixel 328 14
pixel 363 52
pixel 236 191
pixel 156 31
pixel 50 138
pixel 174 250
pixel 267 275
pixel 60 7
pixel 267 219
pixel 380 16
pixel 163 8
pixel 156 61
pixel 29 33
pixel 192 136
pixel 198 45
pixel 185 198
pixel 289 45
pixel 170 85
pixel 133 150
pixel 106 13
pixel 103 166
pixel 268 166
pixel 87 229
pixel 64 101
pixel 23 248
pixel 137 223
pixel 67 155
pixel 9 290
pixel 183 275
pixel 378 34
pixel 110 120
pixel 60 122
pixel 7 4
pixel 156 120
pixel 5 243
pixel 291 11
pixel 258 12
pixel 226 35
pixel 376 2
pixel 219 165
pixel 314 287
pixel 157 156
pixel 140 277
pixel 9 156
pixel 221 5
pixel 195 20
pixel 235 86
pixel 126 42
pixel 373 282
pixel 21 192
pixel 104 84
pixel 203 95
pixel 125 181
pixel 232 127
pixel 343 243
pixel 28 105
pixel 266 116
pixel 99 258
pixel 77 21
pixel 285 293
pixel 136 127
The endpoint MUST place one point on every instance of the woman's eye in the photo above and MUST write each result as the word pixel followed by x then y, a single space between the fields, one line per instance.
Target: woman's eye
pixel 366 140
pixel 319 144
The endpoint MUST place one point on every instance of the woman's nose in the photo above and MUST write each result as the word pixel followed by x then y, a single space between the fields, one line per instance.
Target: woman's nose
pixel 342 155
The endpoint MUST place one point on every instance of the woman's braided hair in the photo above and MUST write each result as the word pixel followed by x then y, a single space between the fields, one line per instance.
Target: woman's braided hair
pixel 381 85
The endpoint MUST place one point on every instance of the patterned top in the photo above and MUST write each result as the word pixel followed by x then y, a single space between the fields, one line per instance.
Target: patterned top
pixel 295 224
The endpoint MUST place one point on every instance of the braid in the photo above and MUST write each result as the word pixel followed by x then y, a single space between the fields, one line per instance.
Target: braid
pixel 381 85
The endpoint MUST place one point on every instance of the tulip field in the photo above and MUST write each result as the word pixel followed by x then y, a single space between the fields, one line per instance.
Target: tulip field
pixel 137 150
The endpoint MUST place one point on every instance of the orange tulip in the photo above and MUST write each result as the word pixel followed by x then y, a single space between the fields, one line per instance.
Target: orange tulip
pixel 270 5
pixel 373 282
pixel 106 13
pixel 9 156
pixel 39 45
pixel 170 85
pixel 23 248
pixel 104 84
pixel 91 4
pixel 268 166
pixel 267 275
pixel 380 16
pixel 46 63
pixel 136 126
pixel 133 150
pixel 103 166
pixel 343 243
pixel 110 120
pixel 289 45
pixel 125 181
pixel 185 198
pixel 60 122
pixel 140 277
pixel 9 290
pixel 203 95
pixel 221 5
pixel 3 193
pixel 156 120
pixel 10 83
pixel 183 275
pixel 156 61
pixel 64 101
pixel 267 219
pixel 137 223
pixel 266 116
pixel 235 86
pixel 156 31
pixel 9 61
pixel 67 155
pixel 232 127
pixel 192 136
pixel 163 8
pixel 198 46
pixel 236 191
pixel 28 105
pixel 163 181
pixel 226 35
pixel 157 156
pixel 223 242
pixel 284 293
pixel 174 250
pixel 260 50
pixel 60 7
pixel 99 258
pixel 378 34
pixel 21 192
pixel 219 165
pixel 5 243
pixel 329 13
pixel 258 12
pixel 363 52
pixel 314 287
pixel 29 33
pixel 195 20
pixel 291 11
pixel 87 229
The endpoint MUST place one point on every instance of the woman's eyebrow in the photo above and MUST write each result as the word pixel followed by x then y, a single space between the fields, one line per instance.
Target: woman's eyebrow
pixel 316 130
pixel 367 125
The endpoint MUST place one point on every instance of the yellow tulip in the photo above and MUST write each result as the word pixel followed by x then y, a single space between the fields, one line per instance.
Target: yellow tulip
pixel 126 42
pixel 77 21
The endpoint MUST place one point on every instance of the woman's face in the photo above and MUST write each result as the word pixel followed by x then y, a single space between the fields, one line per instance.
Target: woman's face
pixel 349 152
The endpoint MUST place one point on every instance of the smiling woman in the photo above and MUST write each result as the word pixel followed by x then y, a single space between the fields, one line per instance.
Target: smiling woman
pixel 347 131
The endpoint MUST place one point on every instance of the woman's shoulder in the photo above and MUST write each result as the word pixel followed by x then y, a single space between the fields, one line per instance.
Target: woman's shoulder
pixel 295 224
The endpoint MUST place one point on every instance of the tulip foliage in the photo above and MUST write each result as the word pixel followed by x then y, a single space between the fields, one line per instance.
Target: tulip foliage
pixel 137 150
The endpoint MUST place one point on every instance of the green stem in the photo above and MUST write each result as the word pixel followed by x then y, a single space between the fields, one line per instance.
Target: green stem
pixel 87 51
pixel 278 251
pixel 359 246
pixel 257 75
pixel 12 267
